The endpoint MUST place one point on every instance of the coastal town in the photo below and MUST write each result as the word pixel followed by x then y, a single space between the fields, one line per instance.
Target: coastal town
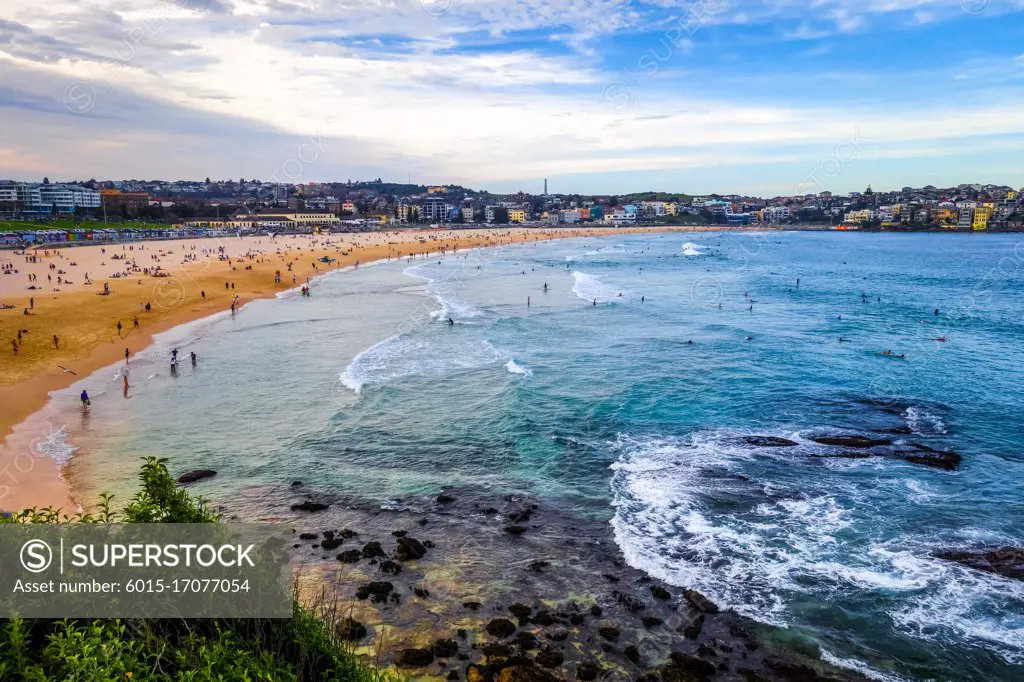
pixel 41 212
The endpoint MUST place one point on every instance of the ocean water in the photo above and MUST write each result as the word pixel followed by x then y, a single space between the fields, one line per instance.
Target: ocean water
pixel 400 379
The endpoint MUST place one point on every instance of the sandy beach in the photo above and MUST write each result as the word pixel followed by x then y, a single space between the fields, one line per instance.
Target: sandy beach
pixel 155 286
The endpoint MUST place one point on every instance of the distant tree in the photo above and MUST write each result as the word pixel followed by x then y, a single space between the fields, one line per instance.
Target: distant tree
pixel 207 180
pixel 46 181
pixel 501 215
pixel 458 219
pixel 479 215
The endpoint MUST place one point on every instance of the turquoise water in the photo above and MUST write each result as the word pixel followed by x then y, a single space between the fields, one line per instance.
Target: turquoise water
pixel 366 392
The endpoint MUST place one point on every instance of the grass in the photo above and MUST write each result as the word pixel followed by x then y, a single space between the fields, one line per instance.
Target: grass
pixel 73 224
pixel 306 647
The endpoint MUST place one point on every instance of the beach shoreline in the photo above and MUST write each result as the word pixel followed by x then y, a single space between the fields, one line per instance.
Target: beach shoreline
pixel 185 292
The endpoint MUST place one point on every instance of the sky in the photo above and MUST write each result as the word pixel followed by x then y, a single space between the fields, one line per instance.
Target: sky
pixel 764 97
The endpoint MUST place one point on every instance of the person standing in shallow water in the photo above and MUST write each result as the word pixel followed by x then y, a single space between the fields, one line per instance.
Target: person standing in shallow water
pixel 84 397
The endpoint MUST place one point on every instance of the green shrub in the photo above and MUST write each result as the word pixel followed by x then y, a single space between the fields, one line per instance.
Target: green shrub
pixel 306 647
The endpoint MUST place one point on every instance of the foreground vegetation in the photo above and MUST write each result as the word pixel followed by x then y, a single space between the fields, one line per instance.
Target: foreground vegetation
pixel 306 647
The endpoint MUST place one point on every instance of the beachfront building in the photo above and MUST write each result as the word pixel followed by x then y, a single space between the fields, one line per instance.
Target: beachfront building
pixel 116 202
pixel 44 198
pixel 982 216
pixel 777 214
pixel 516 215
pixel 434 209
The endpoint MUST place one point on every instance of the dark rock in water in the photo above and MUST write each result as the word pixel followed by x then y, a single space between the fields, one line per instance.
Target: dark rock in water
pixel 472 605
pixel 700 602
pixel 501 627
pixel 521 612
pixel 587 671
pixel 651 621
pixel 296 484
pixel 421 592
pixel 461 633
pixel 196 475
pixel 378 591
pixel 693 628
pixel 445 498
pixel 310 506
pixel 346 533
pixel 515 530
pixel 577 619
pixel 351 630
pixel 629 602
pixel 453 675
pixel 350 557
pixel 538 566
pixel 399 533
pixel 445 648
pixel 769 442
pixel 409 549
pixel 609 632
pixel 852 441
pixel 308 536
pixel 797 673
pixel 684 667
pixel 610 578
pixel 550 658
pixel 596 611
pixel 632 654
pixel 331 543
pixel 660 593
pixel 372 550
pixel 1005 561
pixel 527 641
pixel 544 618
pixel 939 459
pixel 559 635
pixel 414 658
pixel 494 650
pixel 392 567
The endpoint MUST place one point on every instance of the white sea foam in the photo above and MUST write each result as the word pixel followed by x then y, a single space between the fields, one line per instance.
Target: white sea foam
pixel 616 248
pixel 858 666
pixel 402 355
pixel 515 368
pixel 55 445
pixel 691 249
pixel 452 307
pixel 684 515
pixel 922 422
pixel 590 287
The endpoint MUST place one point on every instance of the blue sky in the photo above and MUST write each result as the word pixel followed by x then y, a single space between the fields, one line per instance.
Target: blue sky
pixel 606 96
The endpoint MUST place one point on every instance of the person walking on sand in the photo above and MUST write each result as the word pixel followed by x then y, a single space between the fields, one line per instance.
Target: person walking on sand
pixel 135 322
pixel 56 342
pixel 126 354
pixel 119 327
pixel 14 345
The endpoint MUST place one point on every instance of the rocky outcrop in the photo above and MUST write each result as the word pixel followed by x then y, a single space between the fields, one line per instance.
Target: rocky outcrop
pixel 769 442
pixel 501 627
pixel 860 442
pixel 700 602
pixel 414 658
pixel 351 630
pixel 310 506
pixel 1004 561
pixel 196 475
pixel 409 549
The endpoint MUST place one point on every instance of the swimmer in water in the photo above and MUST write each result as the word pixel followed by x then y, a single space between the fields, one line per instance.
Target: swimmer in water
pixel 842 340
pixel 451 322
pixel 940 338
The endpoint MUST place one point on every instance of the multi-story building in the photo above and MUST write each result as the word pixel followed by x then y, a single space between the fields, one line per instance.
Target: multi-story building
pixel 982 216
pixel 128 203
pixel 516 215
pixel 434 208
pixel 467 214
pixel 966 219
